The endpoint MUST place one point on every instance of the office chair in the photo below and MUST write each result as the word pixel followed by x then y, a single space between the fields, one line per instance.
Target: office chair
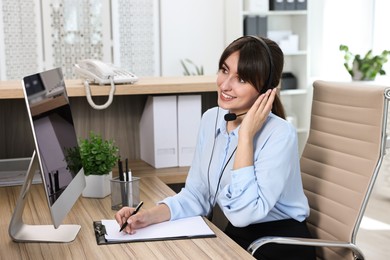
pixel 339 165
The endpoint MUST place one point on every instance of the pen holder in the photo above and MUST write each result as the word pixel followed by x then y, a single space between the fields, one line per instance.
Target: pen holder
pixel 124 193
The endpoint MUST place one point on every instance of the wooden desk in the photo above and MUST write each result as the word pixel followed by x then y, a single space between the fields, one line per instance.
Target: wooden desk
pixel 84 246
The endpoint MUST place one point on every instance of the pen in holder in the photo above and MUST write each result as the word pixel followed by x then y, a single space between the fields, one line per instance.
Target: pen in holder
pixel 124 193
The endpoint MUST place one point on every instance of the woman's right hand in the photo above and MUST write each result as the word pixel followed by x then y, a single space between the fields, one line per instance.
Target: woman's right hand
pixel 143 218
pixel 134 222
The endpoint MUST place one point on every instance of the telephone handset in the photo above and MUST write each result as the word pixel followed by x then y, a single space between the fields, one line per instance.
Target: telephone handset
pixel 101 73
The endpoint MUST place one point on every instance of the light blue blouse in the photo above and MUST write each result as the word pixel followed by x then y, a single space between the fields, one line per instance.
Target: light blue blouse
pixel 269 190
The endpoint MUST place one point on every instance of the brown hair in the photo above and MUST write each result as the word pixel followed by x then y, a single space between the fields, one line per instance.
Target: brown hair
pixel 257 65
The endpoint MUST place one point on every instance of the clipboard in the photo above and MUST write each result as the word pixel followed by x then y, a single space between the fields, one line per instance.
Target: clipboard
pixel 195 227
pixel 100 232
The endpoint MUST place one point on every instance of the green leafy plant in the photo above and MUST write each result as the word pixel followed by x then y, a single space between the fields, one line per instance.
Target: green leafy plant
pixel 186 63
pixel 364 67
pixel 98 156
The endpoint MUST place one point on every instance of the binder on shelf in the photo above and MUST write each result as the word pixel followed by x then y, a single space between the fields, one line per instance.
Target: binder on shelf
pixel 158 132
pixel 256 25
pixel 276 5
pixel 262 25
pixel 189 112
pixel 289 4
pixel 300 4
pixel 250 25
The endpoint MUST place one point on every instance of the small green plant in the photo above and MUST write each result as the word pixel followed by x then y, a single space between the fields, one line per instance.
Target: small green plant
pixel 186 62
pixel 364 67
pixel 98 156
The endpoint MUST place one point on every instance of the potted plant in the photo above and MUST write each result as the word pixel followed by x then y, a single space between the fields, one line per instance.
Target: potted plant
pixel 98 157
pixel 364 67
pixel 187 62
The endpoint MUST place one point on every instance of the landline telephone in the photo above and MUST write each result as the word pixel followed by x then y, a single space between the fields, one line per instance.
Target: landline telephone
pixel 98 72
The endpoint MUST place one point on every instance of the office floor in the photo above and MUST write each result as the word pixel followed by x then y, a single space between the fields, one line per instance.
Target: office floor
pixel 374 234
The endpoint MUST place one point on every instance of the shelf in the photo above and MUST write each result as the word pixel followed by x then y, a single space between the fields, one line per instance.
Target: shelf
pixel 289 12
pixel 289 92
pixel 276 13
pixel 119 122
pixel 295 53
pixel 149 85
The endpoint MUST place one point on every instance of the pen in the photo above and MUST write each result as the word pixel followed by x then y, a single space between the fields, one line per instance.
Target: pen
pixel 120 169
pixel 134 212
pixel 127 170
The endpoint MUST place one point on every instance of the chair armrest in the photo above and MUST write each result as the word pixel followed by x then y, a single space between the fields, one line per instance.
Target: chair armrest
pixel 305 242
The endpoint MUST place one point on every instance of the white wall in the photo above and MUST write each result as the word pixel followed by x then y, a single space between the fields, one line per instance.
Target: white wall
pixel 2 50
pixel 381 32
pixel 191 29
pixel 332 23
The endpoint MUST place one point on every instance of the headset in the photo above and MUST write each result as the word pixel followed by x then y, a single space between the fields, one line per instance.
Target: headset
pixel 268 85
pixel 270 62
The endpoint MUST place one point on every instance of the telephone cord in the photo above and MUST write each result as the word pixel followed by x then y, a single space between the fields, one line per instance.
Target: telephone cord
pixel 89 97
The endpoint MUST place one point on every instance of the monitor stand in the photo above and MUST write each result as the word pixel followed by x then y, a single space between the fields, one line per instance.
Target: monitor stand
pixel 21 232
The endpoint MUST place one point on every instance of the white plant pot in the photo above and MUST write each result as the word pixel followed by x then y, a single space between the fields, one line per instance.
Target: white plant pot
pixel 97 186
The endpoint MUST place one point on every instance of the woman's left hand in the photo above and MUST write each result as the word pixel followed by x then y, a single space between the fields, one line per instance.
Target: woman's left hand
pixel 250 125
pixel 257 114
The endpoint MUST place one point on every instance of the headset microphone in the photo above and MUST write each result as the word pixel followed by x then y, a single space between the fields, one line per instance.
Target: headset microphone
pixel 232 116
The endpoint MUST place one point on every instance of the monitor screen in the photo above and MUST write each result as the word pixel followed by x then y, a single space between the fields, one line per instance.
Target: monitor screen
pixel 55 140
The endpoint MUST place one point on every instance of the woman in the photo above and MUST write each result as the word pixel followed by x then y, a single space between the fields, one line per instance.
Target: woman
pixel 246 159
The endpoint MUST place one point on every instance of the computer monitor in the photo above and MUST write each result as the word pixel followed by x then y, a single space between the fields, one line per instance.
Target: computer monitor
pixel 55 142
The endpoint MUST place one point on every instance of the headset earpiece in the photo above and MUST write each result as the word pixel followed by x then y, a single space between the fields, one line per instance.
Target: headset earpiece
pixel 268 84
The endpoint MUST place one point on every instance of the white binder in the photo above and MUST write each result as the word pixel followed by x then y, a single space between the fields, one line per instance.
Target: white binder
pixel 158 132
pixel 189 112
